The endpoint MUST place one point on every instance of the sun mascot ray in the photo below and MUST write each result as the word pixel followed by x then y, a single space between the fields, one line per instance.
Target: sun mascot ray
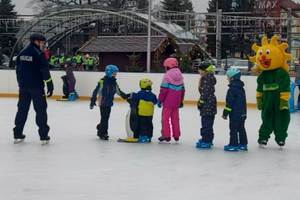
pixel 273 89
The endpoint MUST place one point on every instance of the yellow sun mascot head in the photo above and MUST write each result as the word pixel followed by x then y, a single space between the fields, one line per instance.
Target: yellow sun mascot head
pixel 270 55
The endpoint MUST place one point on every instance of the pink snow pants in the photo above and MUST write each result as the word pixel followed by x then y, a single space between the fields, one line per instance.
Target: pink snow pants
pixel 170 122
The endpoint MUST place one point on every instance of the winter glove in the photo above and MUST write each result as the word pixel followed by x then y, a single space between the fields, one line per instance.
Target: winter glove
pixel 181 105
pixel 93 103
pixel 225 114
pixel 200 104
pixel 50 88
pixel 122 94
pixel 159 104
pixel 259 103
pixel 284 105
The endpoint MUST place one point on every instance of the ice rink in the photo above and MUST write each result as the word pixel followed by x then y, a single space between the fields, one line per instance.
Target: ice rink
pixel 78 166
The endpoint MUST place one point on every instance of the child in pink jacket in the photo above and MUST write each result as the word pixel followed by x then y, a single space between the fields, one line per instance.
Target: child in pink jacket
pixel 171 99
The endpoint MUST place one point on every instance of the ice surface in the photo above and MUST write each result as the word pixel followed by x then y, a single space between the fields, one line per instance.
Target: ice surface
pixel 77 166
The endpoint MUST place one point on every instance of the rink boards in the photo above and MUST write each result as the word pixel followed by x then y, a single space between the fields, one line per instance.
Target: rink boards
pixel 129 82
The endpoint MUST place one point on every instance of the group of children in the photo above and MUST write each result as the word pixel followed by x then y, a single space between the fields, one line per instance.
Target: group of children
pixel 171 98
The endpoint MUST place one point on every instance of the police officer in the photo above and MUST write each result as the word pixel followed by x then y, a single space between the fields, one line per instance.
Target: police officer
pixel 32 75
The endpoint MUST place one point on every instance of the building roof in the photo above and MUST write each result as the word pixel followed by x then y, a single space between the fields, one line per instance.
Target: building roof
pixel 286 4
pixel 124 44
pixel 177 31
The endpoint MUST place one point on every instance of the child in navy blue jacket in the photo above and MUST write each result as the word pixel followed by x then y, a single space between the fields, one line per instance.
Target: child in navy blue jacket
pixel 236 108
pixel 106 89
pixel 141 114
pixel 145 110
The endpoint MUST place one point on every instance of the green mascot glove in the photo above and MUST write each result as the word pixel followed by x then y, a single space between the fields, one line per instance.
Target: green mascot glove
pixel 259 103
pixel 284 105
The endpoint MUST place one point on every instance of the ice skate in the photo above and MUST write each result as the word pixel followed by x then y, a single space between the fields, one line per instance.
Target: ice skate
pixel 203 145
pixel 73 96
pixel 45 141
pixel 163 139
pixel 176 140
pixel 19 140
pixel 103 137
pixel 243 147
pixel 144 139
pixel 231 148
pixel 281 144
pixel 262 143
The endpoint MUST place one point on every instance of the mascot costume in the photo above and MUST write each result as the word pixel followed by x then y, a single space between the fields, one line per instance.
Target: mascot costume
pixel 273 89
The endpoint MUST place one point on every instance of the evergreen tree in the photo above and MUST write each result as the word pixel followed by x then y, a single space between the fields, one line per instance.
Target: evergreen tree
pixel 7 28
pixel 172 5
pixel 142 4
pixel 179 6
pixel 236 41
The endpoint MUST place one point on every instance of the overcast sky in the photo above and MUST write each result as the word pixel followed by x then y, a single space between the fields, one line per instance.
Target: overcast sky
pixel 22 6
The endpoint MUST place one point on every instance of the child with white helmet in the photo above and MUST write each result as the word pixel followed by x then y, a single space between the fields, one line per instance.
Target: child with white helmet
pixel 171 99
pixel 106 89
pixel 236 108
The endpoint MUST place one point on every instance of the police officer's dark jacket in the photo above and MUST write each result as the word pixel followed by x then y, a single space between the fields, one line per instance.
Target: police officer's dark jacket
pixel 32 68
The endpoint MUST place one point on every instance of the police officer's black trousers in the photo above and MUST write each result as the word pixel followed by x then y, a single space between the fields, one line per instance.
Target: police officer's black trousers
pixel 37 96
pixel 103 126
pixel 145 126
pixel 237 132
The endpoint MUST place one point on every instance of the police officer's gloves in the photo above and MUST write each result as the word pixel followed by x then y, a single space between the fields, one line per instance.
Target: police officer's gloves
pixel 50 88
pixel 159 104
pixel 284 105
pixel 93 103
pixel 200 104
pixel 259 103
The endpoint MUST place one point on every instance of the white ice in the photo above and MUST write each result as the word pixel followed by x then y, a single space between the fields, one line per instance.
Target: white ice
pixel 77 166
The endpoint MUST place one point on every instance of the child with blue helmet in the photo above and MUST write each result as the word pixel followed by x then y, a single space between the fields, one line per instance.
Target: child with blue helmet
pixel 106 89
pixel 236 109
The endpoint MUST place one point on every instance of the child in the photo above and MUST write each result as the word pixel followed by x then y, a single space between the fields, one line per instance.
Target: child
pixel 236 108
pixel 106 89
pixel 171 98
pixel 69 68
pixel 140 121
pixel 145 110
pixel 207 104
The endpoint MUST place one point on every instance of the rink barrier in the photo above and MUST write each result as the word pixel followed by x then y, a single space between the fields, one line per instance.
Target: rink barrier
pixel 118 99
pixel 129 82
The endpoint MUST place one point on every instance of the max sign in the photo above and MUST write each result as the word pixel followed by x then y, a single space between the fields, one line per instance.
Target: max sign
pixel 268 4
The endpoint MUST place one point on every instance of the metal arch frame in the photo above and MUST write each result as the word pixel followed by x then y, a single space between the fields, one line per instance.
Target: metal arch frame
pixel 93 19
pixel 69 31
pixel 38 20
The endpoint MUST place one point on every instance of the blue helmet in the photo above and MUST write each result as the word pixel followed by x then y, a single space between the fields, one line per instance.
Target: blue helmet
pixel 233 73
pixel 110 70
